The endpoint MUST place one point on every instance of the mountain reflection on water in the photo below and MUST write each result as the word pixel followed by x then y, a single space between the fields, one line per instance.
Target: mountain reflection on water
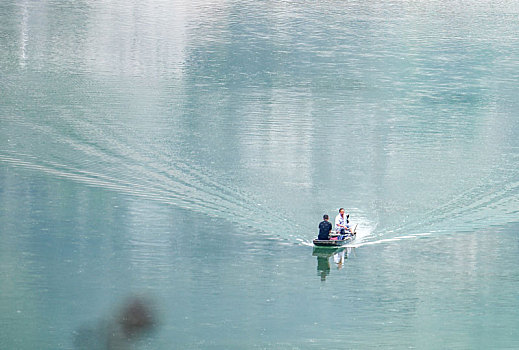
pixel 186 150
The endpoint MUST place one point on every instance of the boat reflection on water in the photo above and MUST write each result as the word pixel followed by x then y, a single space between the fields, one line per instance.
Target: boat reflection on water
pixel 324 254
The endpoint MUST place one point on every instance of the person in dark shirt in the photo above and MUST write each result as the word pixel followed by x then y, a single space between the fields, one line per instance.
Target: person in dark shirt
pixel 324 228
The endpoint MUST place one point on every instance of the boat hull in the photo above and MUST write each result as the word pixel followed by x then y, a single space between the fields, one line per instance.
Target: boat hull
pixel 332 242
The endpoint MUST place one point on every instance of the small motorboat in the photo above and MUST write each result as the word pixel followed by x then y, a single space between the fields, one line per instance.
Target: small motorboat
pixel 336 240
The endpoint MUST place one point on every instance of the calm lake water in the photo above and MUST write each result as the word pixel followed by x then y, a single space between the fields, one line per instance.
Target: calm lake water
pixel 184 152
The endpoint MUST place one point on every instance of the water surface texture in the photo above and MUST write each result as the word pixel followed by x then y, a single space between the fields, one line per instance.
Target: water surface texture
pixel 184 152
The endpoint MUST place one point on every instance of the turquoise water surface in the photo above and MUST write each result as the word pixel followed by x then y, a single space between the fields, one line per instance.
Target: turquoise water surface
pixel 182 153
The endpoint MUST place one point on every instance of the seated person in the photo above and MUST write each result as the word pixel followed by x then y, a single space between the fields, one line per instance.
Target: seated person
pixel 324 228
pixel 342 223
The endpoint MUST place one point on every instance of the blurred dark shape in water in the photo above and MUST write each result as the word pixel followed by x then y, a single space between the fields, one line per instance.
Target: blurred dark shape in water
pixel 121 330
pixel 136 318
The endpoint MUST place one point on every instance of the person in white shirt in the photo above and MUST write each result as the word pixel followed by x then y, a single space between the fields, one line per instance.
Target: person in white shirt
pixel 342 223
